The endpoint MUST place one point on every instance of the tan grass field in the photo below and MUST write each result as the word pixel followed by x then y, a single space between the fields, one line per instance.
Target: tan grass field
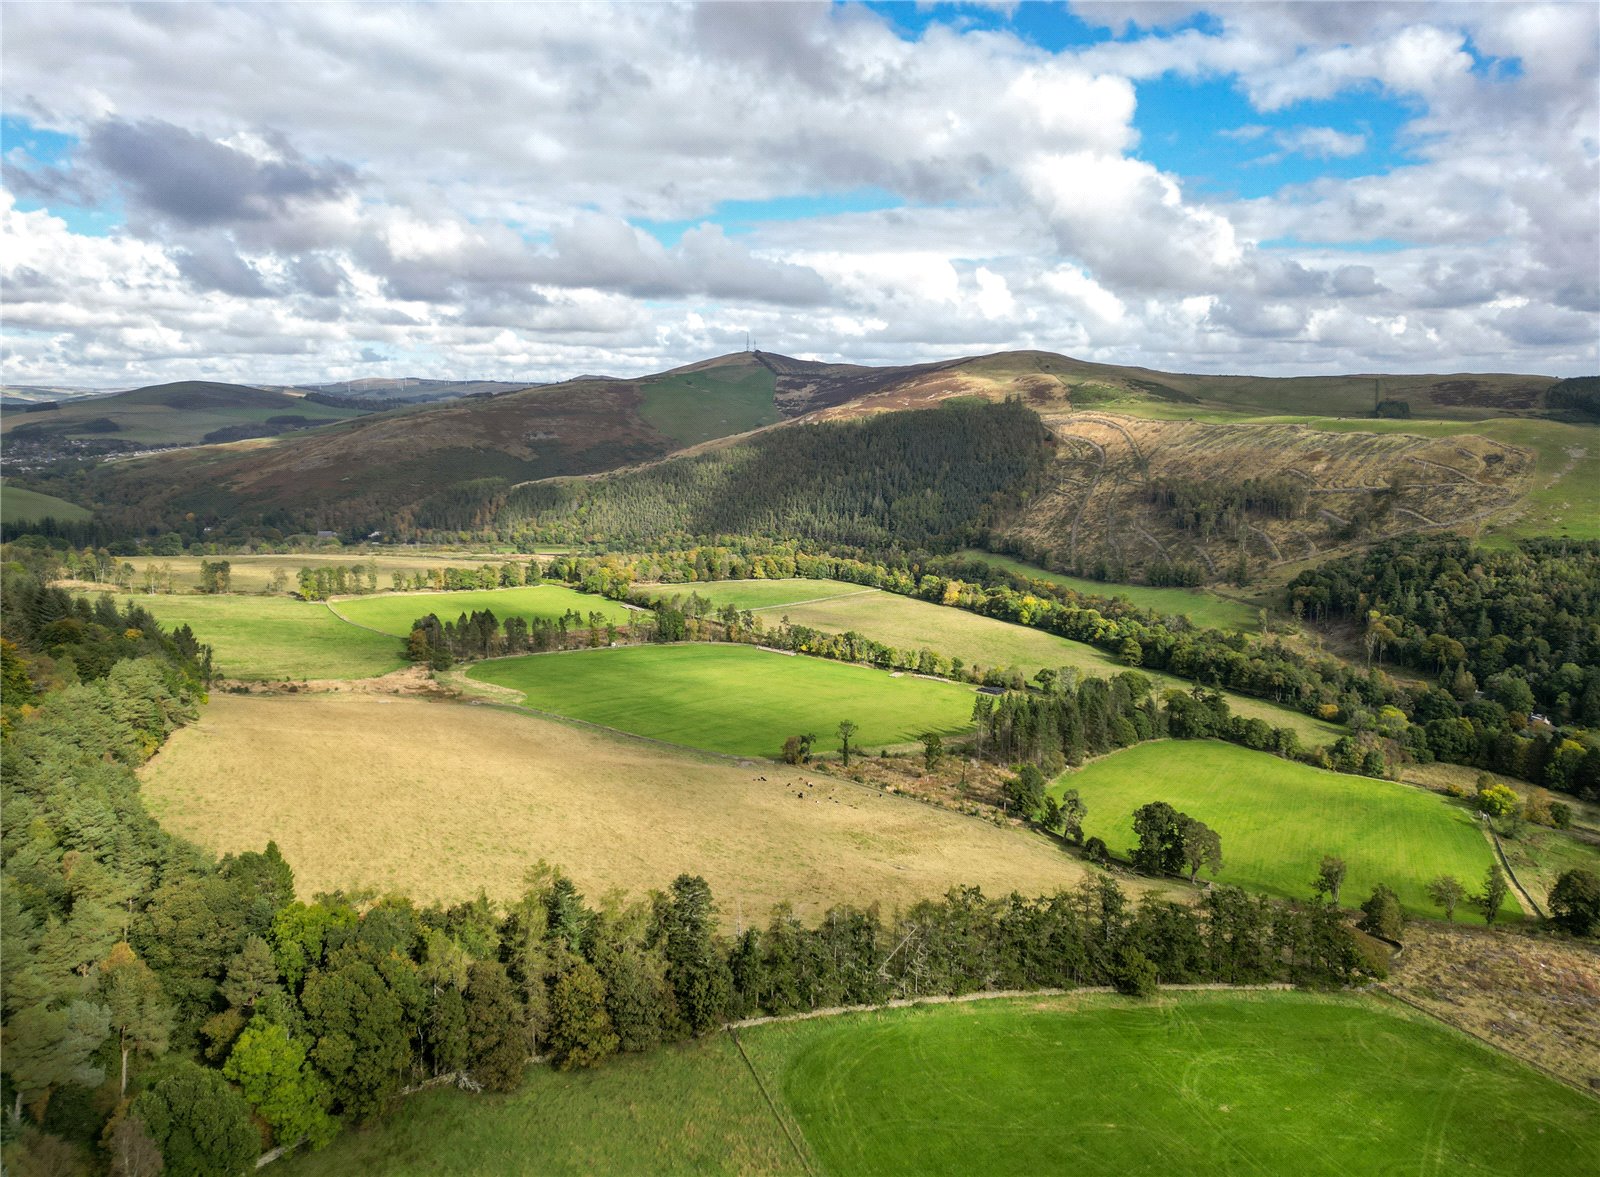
pixel 253 573
pixel 436 800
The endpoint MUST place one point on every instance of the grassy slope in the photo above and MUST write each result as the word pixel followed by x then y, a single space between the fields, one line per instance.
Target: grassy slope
pixel 705 403
pixel 436 800
pixel 691 1108
pixel 762 594
pixel 277 637
pixel 27 506
pixel 1202 1083
pixel 1205 609
pixel 909 624
pixel 1541 856
pixel 731 699
pixel 1277 819
pixel 394 612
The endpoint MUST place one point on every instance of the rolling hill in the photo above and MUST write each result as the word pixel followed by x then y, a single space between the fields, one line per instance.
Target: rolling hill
pixel 189 412
pixel 1135 451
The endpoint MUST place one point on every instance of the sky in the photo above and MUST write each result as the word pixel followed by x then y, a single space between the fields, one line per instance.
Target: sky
pixel 282 193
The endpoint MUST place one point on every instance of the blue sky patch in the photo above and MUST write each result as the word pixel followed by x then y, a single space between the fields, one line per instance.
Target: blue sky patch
pixel 738 217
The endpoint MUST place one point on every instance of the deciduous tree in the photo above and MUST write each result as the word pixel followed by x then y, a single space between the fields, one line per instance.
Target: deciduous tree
pixel 1575 902
pixel 200 1124
pixel 580 1028
pixel 1494 891
pixel 1447 892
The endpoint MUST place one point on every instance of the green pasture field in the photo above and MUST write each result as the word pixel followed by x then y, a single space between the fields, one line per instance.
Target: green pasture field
pixel 686 1109
pixel 1278 818
pixel 1205 609
pixel 276 637
pixel 29 506
pixel 1217 1083
pixel 732 699
pixel 696 406
pixel 908 624
pixel 394 613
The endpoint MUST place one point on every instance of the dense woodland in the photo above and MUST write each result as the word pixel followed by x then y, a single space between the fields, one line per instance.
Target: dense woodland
pixel 161 1005
pixel 916 479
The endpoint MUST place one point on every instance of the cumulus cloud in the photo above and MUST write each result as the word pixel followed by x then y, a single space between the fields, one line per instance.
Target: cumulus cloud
pixel 193 181
pixel 467 189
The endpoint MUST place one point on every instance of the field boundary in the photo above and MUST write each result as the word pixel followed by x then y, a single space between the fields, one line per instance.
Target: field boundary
pixel 329 606
pixel 1524 896
pixel 833 1011
pixel 817 600
pixel 772 1106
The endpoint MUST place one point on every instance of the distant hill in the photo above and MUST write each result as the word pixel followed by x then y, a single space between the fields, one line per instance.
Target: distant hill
pixel 188 412
pixel 401 471
pixel 409 390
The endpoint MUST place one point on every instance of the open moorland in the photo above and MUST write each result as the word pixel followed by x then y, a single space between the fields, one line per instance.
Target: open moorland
pixel 394 613
pixel 907 624
pixel 436 800
pixel 1278 818
pixel 1534 996
pixel 737 700
pixel 276 637
pixel 1216 1082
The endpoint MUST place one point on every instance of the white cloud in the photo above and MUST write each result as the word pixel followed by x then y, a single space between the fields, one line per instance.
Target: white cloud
pixel 459 187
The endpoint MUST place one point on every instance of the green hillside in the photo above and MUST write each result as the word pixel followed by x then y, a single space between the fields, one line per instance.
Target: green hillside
pixel 698 404
pixel 29 506
pixel 1277 819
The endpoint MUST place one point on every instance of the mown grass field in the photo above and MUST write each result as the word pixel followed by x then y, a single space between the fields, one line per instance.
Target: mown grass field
pixel 276 637
pixel 28 506
pixel 695 406
pixel 1278 818
pixel 736 700
pixel 907 624
pixel 436 800
pixel 1205 609
pixel 394 613
pixel 1217 1083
